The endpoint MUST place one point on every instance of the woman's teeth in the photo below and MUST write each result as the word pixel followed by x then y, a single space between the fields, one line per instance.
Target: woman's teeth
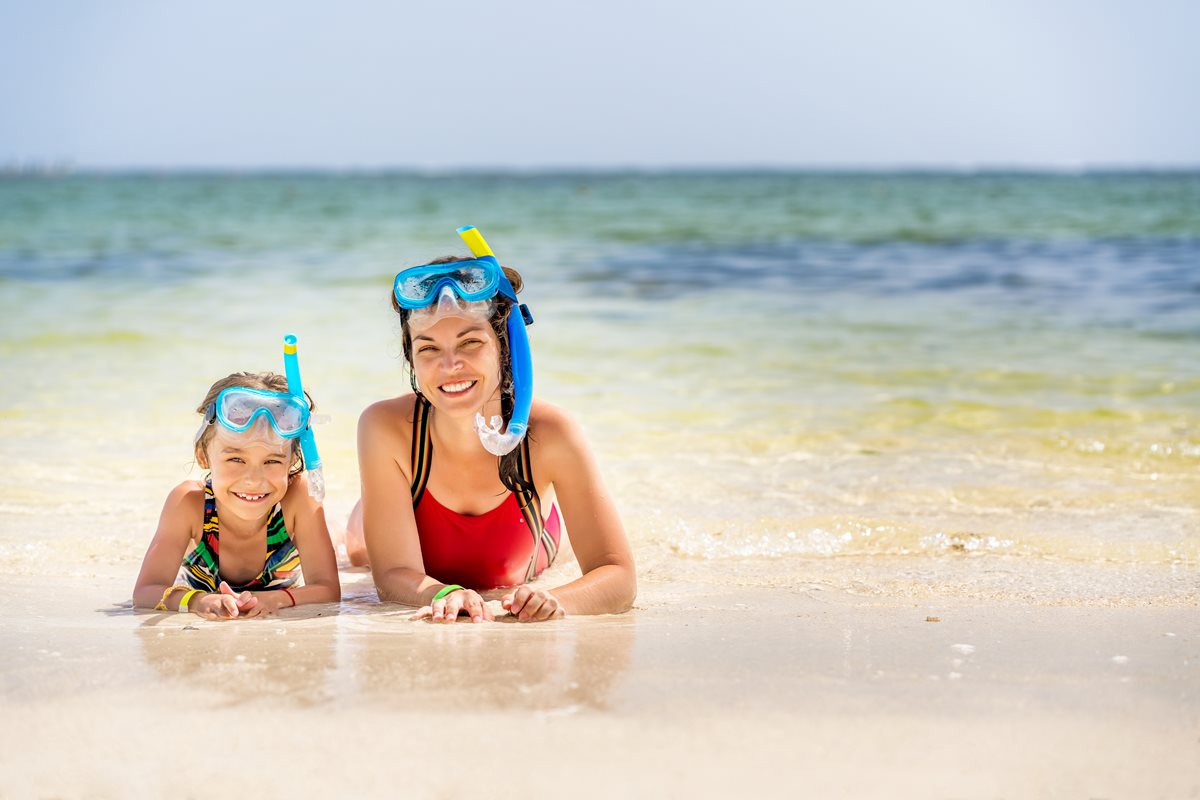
pixel 457 388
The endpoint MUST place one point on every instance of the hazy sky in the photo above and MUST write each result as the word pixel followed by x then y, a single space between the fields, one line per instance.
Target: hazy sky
pixel 358 83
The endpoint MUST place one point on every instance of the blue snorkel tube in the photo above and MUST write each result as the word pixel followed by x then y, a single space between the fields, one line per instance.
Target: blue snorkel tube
pixel 496 441
pixel 308 444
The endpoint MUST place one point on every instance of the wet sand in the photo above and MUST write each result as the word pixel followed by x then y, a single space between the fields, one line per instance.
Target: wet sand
pixel 697 692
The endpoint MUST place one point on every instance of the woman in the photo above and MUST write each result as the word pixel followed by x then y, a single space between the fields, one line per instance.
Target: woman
pixel 441 517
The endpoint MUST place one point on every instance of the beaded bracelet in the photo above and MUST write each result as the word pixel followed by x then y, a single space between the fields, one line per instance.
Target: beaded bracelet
pixel 162 604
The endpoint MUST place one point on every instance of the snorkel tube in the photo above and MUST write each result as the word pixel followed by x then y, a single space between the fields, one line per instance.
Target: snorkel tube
pixel 308 444
pixel 496 441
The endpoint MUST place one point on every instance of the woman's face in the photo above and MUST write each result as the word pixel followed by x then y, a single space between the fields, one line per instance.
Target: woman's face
pixel 457 363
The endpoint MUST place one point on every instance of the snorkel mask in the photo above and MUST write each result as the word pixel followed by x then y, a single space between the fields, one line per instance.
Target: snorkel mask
pixel 468 289
pixel 270 417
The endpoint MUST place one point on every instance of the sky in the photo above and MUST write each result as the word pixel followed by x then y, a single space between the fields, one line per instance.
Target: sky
pixel 553 84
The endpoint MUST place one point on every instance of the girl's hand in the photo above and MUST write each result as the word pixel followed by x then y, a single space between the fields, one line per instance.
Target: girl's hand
pixel 447 608
pixel 532 605
pixel 245 600
pixel 267 603
pixel 214 606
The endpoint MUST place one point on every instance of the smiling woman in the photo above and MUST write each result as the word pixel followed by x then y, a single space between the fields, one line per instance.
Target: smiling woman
pixel 248 529
pixel 484 513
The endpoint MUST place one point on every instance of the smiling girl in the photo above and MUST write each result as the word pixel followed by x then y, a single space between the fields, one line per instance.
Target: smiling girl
pixel 239 539
pixel 453 505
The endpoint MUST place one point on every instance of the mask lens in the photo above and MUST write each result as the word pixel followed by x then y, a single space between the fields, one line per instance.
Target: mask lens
pixel 471 279
pixel 238 409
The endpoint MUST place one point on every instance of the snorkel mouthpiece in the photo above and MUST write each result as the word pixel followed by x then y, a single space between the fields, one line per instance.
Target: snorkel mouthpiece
pixel 308 443
pixel 496 441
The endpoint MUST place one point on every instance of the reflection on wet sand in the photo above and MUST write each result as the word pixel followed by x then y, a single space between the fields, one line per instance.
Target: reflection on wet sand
pixel 572 664
pixel 380 658
pixel 290 659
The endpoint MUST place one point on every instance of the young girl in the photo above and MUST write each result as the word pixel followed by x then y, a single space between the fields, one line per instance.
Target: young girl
pixel 243 534
pixel 441 517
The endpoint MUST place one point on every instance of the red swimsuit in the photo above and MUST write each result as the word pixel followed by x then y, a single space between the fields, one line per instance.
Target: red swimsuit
pixel 506 546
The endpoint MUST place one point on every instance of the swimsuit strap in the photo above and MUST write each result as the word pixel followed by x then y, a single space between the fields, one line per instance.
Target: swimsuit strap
pixel 531 509
pixel 422 448
pixel 202 563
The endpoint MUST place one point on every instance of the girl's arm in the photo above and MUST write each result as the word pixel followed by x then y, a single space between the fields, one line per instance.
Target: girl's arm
pixel 306 525
pixel 389 525
pixel 176 525
pixel 609 581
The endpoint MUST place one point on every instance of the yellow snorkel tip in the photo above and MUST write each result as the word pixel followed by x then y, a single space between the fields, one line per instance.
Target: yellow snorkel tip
pixel 475 241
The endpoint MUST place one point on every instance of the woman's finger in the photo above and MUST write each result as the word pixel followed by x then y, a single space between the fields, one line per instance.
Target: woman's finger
pixel 454 604
pixel 519 598
pixel 532 605
pixel 548 608
pixel 474 607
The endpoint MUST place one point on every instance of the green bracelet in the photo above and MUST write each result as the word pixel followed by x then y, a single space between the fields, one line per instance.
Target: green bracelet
pixel 445 590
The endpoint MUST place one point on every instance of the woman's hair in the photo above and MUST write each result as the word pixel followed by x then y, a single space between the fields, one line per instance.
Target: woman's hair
pixel 510 473
pixel 265 381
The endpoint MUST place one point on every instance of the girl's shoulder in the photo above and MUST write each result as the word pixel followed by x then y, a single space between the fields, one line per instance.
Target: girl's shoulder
pixel 184 508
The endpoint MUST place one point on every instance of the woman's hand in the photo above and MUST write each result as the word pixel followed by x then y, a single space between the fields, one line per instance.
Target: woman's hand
pixel 447 609
pixel 532 605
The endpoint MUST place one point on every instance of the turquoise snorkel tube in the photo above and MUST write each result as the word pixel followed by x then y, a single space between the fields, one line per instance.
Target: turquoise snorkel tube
pixel 308 444
pixel 496 441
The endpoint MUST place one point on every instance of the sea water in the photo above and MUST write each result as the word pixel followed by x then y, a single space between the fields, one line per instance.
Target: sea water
pixel 924 383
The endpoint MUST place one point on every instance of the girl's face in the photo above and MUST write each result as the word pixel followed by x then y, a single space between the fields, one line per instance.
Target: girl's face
pixel 249 469
pixel 457 363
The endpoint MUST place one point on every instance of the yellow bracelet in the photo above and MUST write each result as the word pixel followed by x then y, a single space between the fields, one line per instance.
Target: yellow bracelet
pixel 183 601
pixel 162 604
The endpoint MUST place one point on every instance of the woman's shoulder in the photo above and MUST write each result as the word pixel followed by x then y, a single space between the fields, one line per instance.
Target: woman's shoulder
pixel 554 432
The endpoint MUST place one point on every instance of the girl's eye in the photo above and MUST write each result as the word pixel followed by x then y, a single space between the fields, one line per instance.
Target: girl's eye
pixel 235 460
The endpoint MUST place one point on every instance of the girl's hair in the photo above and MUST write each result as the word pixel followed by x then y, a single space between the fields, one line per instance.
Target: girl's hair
pixel 509 466
pixel 265 381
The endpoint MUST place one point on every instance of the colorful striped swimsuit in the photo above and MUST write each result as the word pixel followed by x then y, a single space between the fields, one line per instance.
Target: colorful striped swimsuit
pixel 201 567
pixel 509 545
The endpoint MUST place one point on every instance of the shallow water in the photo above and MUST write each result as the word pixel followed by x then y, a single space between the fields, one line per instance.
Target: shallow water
pixel 889 382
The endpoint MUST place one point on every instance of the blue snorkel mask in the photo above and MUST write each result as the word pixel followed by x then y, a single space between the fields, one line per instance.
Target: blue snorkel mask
pixel 470 286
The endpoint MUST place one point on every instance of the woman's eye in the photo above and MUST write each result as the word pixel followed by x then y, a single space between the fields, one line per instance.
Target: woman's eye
pixel 427 349
pixel 472 343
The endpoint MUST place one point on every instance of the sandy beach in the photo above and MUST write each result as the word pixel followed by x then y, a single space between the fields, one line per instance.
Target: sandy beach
pixel 696 692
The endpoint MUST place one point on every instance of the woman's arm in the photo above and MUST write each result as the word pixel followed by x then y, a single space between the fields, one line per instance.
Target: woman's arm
pixel 389 525
pixel 609 581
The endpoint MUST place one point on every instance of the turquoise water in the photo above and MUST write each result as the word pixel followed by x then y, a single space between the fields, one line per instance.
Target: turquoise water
pixel 964 380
